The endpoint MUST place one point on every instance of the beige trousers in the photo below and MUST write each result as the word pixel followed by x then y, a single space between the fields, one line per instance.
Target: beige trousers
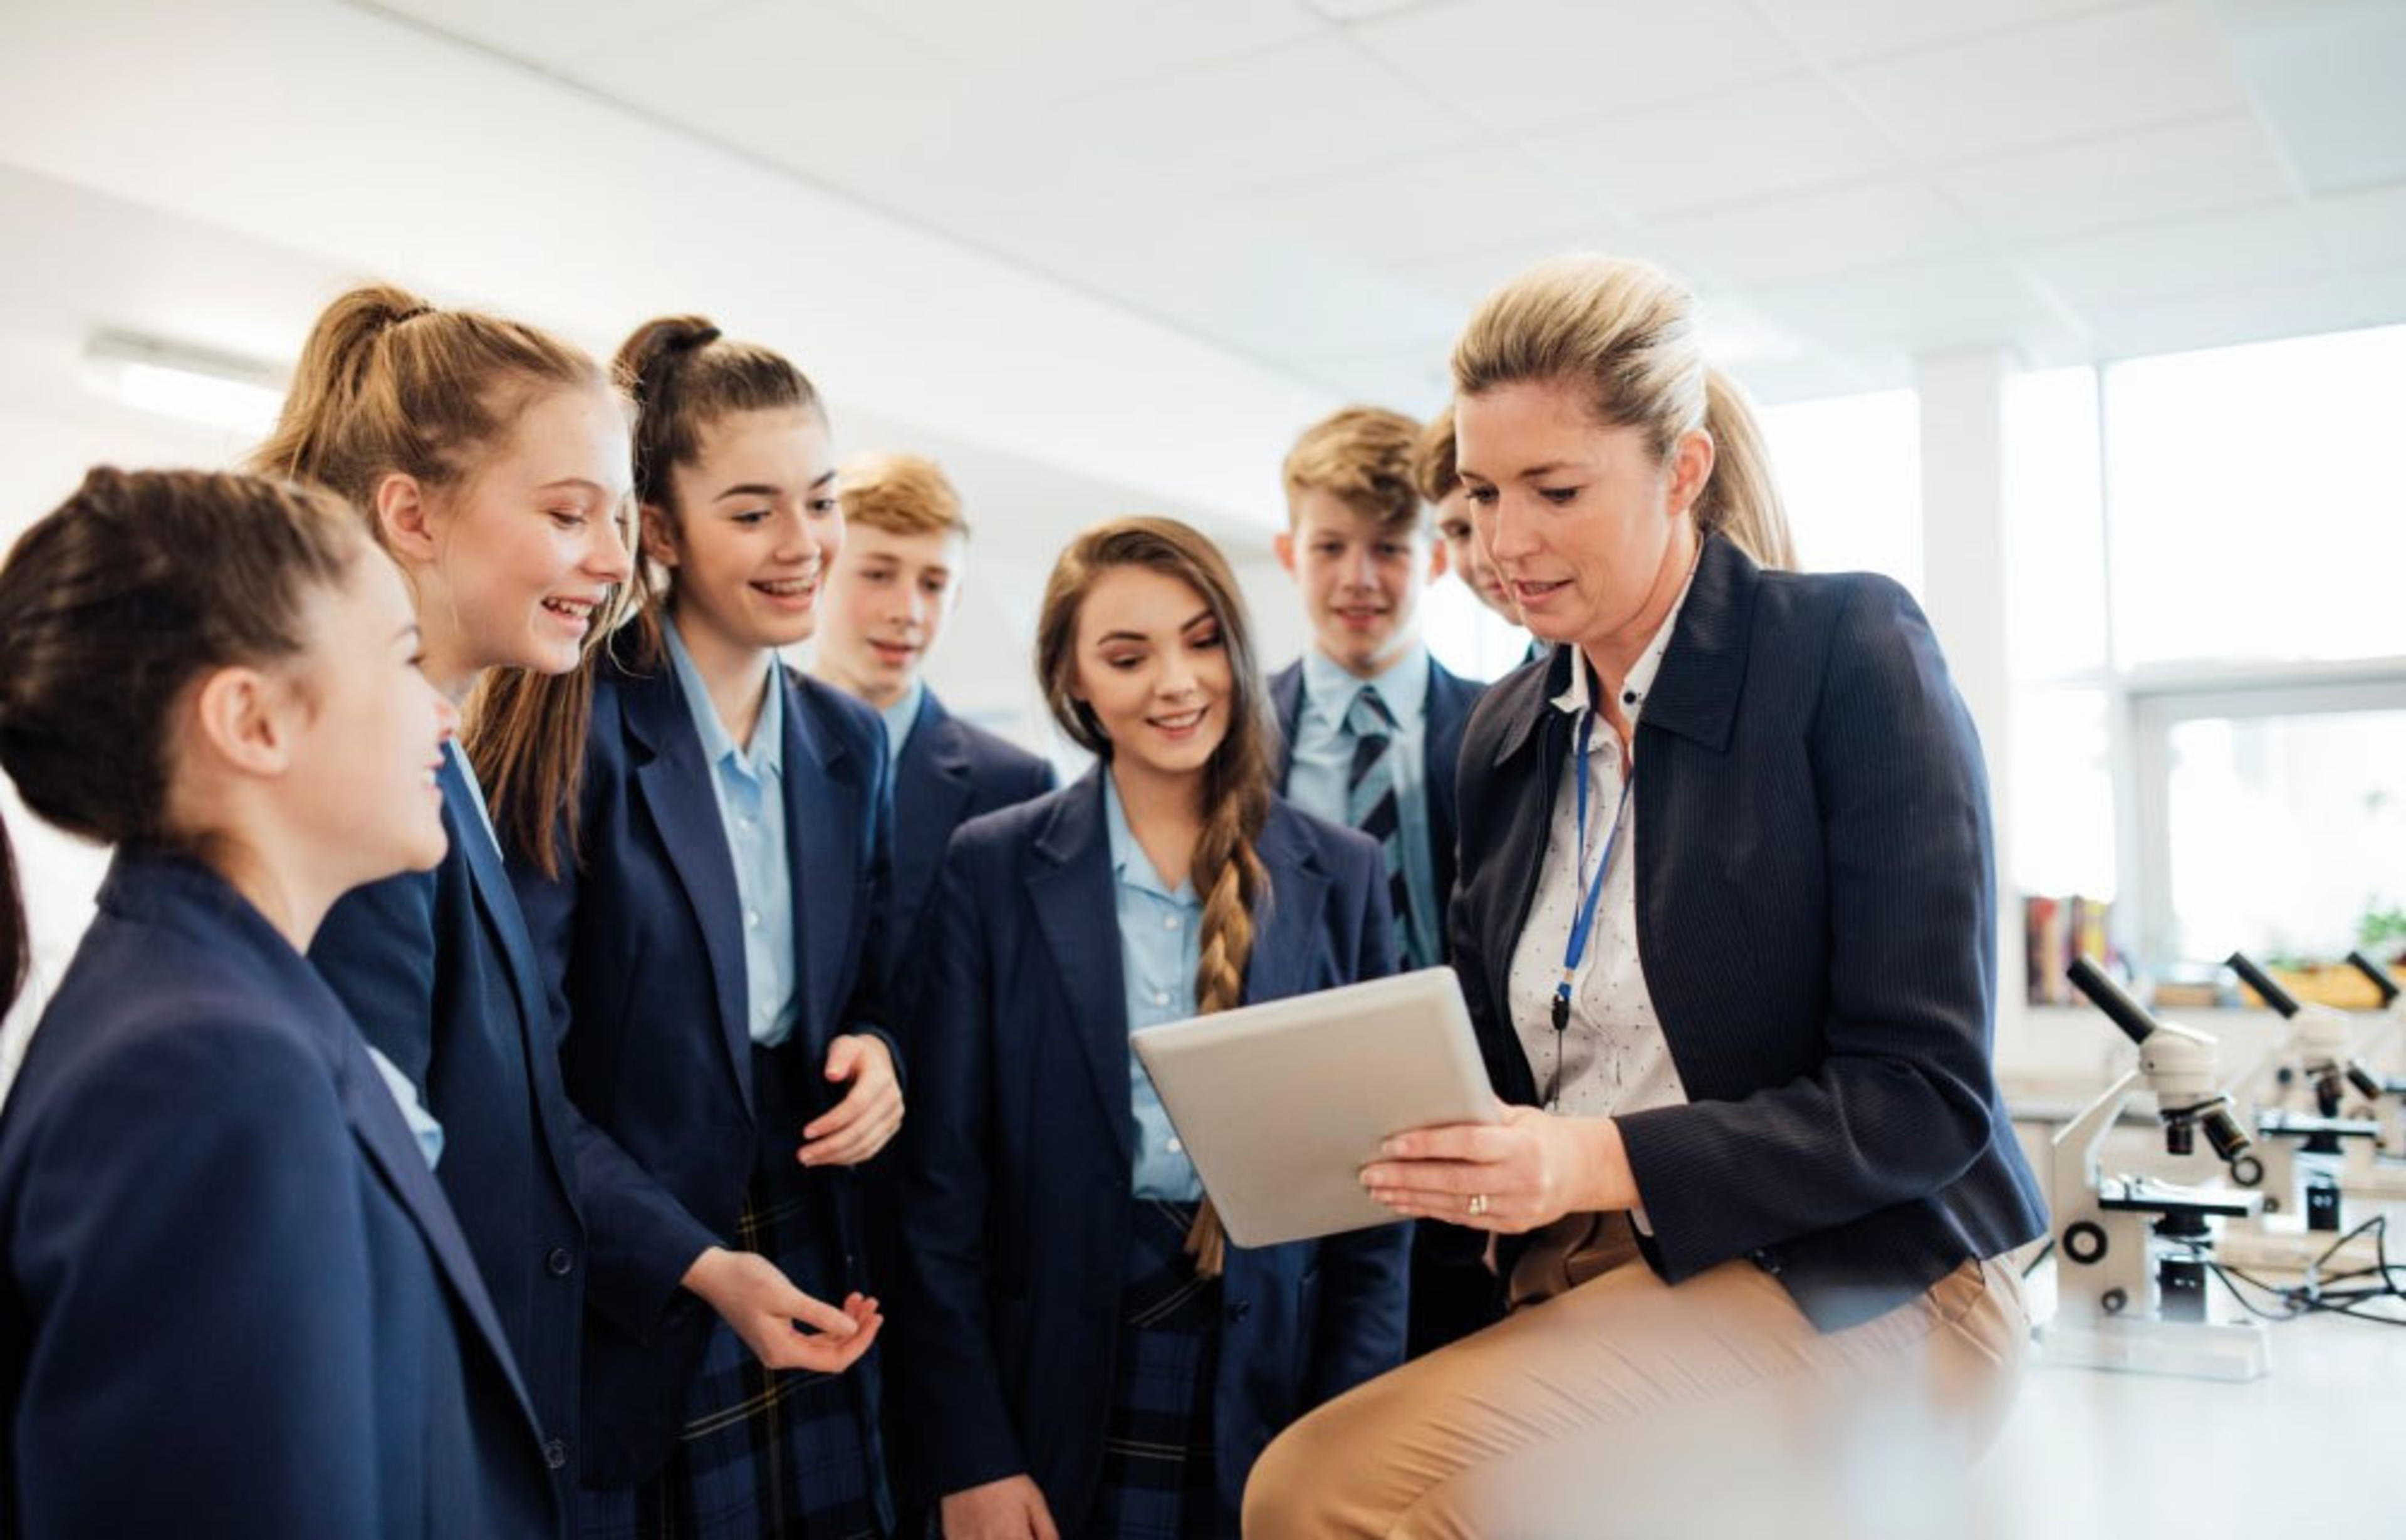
pixel 1623 1405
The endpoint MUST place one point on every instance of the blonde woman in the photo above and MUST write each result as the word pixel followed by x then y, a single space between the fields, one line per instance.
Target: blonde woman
pixel 1725 924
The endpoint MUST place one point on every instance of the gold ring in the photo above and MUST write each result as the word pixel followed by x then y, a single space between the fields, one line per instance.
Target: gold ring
pixel 1478 1203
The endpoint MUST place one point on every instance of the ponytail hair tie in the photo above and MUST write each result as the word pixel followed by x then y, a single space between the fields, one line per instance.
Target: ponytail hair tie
pixel 693 341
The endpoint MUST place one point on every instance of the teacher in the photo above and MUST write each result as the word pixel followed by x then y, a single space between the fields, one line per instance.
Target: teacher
pixel 1726 927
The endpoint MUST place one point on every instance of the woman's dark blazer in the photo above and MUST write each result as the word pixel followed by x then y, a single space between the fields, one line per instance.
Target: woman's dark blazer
pixel 437 970
pixel 1816 915
pixel 1020 1153
pixel 643 946
pixel 234 1300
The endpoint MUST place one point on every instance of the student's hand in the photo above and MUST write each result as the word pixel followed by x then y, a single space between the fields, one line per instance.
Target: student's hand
pixel 1519 1175
pixel 764 1308
pixel 870 1114
pixel 1009 1509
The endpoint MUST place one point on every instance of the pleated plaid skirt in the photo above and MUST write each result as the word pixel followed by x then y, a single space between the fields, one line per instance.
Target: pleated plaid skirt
pixel 765 1454
pixel 1161 1478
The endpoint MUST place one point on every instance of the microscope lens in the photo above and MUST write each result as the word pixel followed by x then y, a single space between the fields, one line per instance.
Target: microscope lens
pixel 2222 1130
pixel 2180 1136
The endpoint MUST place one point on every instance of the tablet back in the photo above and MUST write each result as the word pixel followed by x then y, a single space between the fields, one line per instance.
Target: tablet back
pixel 1281 1105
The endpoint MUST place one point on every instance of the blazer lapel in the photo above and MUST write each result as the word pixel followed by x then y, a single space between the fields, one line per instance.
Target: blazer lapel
pixel 675 788
pixel 823 811
pixel 932 790
pixel 1286 701
pixel 1280 965
pixel 1072 888
pixel 498 909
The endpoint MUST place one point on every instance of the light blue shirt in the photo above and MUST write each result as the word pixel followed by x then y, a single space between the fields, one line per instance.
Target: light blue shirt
pixel 752 810
pixel 461 762
pixel 423 1128
pixel 1160 947
pixel 899 717
pixel 1323 759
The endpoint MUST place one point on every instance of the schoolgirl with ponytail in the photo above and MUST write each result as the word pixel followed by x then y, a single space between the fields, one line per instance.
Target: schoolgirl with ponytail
pixel 708 911
pixel 233 1299
pixel 1085 1351
pixel 492 462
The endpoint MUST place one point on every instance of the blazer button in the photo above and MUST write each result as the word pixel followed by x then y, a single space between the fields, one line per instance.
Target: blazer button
pixel 555 1453
pixel 560 1262
pixel 1239 1309
pixel 1765 1259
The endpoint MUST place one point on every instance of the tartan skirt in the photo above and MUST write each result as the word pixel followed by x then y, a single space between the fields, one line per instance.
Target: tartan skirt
pixel 1161 1477
pixel 764 1454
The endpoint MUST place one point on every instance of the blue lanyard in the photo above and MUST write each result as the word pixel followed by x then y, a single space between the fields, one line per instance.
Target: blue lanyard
pixel 1583 924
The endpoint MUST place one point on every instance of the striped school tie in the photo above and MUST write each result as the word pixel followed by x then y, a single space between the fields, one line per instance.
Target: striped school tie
pixel 1371 806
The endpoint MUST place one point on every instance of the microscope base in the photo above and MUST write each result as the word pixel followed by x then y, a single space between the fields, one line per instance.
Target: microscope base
pixel 2235 1351
pixel 2270 1246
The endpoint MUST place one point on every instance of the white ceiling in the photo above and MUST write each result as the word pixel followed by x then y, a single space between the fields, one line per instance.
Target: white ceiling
pixel 1324 185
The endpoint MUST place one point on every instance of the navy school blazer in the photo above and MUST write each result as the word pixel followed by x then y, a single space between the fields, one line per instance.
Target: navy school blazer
pixel 438 971
pixel 1451 697
pixel 948 773
pixel 1019 1154
pixel 642 944
pixel 236 1300
pixel 1815 893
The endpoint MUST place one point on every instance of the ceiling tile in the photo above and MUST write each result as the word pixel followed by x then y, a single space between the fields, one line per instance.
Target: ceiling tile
pixel 2256 313
pixel 2220 251
pixel 1312 110
pixel 1469 200
pixel 2054 83
pixel 558 33
pixel 2132 179
pixel 1461 282
pixel 1919 307
pixel 1780 137
pixel 2331 77
pixel 1839 31
pixel 1519 64
pixel 1875 224
pixel 1059 48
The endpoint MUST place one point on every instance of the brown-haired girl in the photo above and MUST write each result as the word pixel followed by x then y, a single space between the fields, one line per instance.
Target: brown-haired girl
pixel 491 461
pixel 233 1299
pixel 1085 1352
pixel 714 934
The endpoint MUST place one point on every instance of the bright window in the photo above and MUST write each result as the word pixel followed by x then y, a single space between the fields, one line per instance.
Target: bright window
pixel 1849 469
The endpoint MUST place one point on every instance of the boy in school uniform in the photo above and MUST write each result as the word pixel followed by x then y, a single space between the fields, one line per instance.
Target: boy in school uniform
pixel 892 589
pixel 1371 725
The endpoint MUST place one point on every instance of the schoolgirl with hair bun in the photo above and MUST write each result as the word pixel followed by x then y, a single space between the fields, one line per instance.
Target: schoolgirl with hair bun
pixel 711 922
pixel 1084 1351
pixel 491 461
pixel 233 1299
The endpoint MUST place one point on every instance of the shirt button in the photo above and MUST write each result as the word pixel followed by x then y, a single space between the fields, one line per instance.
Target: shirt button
pixel 752 918
pixel 747 824
pixel 559 1262
pixel 1173 1146
pixel 555 1453
pixel 1161 996
pixel 1169 922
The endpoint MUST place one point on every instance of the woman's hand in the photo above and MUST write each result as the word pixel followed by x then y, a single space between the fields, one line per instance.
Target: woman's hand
pixel 1009 1509
pixel 763 1307
pixel 1519 1175
pixel 870 1113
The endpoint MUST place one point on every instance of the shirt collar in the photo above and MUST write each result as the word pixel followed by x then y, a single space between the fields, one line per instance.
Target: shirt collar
pixel 1129 862
pixel 901 716
pixel 1635 688
pixel 767 755
pixel 1328 690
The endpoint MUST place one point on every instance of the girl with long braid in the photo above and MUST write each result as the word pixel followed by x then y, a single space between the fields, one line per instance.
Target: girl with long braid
pixel 1086 1353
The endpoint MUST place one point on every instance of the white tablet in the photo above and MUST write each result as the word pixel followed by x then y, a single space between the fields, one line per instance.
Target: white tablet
pixel 1279 1106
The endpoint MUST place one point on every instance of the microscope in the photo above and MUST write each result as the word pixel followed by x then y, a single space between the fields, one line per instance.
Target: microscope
pixel 2299 1157
pixel 2389 1111
pixel 2131 1251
